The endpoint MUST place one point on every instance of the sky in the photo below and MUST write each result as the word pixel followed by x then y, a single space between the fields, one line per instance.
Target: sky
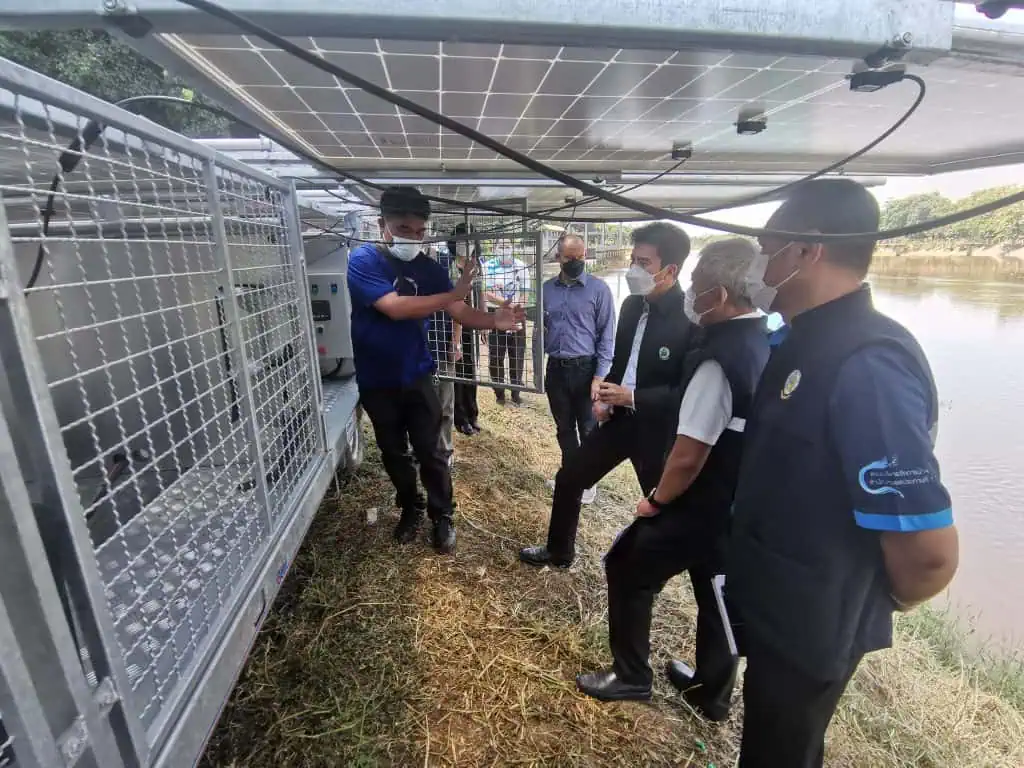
pixel 952 185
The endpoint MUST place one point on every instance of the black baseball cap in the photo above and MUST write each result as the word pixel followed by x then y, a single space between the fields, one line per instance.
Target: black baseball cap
pixel 404 201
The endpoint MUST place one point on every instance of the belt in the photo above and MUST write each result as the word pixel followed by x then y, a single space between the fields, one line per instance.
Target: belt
pixel 573 362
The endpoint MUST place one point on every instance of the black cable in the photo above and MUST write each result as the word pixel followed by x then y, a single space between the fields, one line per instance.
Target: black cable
pixel 337 369
pixel 71 156
pixel 160 98
pixel 250 27
pixel 41 250
pixel 496 230
pixel 771 194
pixel 588 200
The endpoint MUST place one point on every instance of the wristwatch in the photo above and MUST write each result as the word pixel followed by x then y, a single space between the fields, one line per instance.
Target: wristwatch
pixel 658 505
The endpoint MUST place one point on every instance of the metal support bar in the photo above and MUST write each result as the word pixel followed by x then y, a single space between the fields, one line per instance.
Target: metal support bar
pixel 538 323
pixel 791 26
pixel 305 309
pixel 240 359
pixel 24 720
pixel 60 517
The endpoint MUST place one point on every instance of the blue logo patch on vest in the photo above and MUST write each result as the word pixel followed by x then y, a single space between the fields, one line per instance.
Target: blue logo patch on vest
pixel 664 353
pixel 792 382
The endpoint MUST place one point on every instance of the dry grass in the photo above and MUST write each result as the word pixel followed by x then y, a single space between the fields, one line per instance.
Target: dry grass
pixel 377 655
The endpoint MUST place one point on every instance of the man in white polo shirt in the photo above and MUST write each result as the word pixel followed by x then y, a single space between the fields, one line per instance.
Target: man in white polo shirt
pixel 681 525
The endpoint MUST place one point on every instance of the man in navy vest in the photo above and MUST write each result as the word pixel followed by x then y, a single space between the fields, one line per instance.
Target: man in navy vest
pixel 681 525
pixel 395 289
pixel 840 517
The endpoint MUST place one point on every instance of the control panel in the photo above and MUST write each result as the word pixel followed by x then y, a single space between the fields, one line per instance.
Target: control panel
pixel 331 308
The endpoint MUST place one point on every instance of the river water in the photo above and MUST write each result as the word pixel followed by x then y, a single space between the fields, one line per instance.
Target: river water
pixel 973 334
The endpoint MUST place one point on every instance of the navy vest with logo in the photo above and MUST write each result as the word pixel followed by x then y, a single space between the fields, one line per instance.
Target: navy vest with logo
pixel 807 581
pixel 740 347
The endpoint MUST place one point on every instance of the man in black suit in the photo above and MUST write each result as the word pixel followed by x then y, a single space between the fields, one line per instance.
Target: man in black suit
pixel 639 398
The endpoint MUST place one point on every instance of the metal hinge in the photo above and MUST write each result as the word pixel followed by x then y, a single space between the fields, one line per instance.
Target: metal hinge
pixel 73 743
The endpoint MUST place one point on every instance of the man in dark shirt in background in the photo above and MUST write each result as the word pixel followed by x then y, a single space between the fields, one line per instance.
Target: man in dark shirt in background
pixel 579 334
pixel 441 334
pixel 464 340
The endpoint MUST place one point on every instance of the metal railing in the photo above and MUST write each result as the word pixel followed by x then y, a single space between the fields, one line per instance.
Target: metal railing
pixel 163 403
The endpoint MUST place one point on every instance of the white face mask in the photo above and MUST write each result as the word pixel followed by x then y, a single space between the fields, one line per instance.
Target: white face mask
pixel 688 305
pixel 462 250
pixel 640 281
pixel 405 249
pixel 761 295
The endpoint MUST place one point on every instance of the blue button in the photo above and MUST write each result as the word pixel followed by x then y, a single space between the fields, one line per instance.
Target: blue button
pixel 334 287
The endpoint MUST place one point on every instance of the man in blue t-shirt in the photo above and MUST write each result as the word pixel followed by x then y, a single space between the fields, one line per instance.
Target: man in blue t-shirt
pixel 395 289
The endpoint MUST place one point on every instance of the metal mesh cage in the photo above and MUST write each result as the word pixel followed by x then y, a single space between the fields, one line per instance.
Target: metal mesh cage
pixel 169 320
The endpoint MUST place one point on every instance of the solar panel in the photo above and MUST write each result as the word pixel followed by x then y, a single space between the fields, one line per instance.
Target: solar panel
pixel 612 109
pixel 628 82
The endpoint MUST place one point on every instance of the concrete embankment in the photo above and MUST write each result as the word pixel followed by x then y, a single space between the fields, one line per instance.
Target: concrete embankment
pixel 994 263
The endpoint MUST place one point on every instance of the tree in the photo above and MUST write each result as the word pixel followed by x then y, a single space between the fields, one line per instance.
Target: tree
pixel 96 63
pixel 914 209
pixel 1002 227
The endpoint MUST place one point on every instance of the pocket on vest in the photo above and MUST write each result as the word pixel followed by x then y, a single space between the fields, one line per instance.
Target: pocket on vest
pixel 789 605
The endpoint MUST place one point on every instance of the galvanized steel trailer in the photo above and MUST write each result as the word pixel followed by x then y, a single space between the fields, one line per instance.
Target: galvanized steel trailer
pixel 164 435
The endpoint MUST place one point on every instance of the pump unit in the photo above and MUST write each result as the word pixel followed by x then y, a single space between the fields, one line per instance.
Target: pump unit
pixel 329 299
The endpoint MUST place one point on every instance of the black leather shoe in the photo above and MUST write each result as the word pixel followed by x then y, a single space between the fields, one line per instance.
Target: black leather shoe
pixel 683 679
pixel 444 535
pixel 408 526
pixel 539 557
pixel 606 686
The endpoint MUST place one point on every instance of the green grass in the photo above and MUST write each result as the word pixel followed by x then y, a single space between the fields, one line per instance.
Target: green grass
pixel 998 671
pixel 377 655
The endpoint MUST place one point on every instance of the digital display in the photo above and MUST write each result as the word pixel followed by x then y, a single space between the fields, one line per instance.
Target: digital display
pixel 321 310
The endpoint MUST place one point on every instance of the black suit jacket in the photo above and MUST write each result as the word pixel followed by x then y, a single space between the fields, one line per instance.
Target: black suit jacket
pixel 659 370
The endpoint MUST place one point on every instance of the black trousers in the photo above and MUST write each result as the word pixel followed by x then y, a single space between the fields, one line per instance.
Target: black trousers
pixel 567 383
pixel 607 446
pixel 785 712
pixel 466 411
pixel 641 561
pixel 411 416
pixel 502 344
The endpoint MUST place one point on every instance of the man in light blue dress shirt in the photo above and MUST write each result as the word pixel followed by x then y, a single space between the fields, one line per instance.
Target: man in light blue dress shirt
pixel 579 336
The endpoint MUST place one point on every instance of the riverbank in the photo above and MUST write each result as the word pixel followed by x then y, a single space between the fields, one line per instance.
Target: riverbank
pixel 377 655
pixel 991 264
